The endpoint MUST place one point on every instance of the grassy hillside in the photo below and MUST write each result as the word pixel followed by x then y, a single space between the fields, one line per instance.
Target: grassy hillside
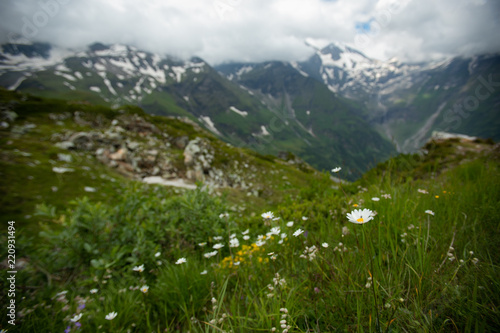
pixel 30 153
pixel 152 260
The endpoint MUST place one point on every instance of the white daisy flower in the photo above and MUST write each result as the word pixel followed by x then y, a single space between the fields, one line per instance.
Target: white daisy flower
pixel 138 268
pixel 430 212
pixel 157 254
pixel 111 315
pixel 210 254
pixel 144 288
pixel 246 237
pixel 234 242
pixel 180 261
pixel 218 238
pixel 268 215
pixel 375 199
pixel 298 232
pixel 218 246
pixel 304 218
pixel 204 272
pixel 202 244
pixel 337 169
pixel 289 224
pixel 245 232
pixel 359 216
pixel 325 245
pixel 93 291
pixel 76 317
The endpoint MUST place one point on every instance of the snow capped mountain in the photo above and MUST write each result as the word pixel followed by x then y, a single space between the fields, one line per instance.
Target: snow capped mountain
pixel 349 72
pixel 118 73
pixel 418 98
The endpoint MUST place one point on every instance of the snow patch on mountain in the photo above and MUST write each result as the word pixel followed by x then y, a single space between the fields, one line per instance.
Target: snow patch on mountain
pixel 210 125
pixel 241 113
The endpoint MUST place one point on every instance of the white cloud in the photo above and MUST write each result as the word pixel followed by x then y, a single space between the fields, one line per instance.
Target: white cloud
pixel 244 30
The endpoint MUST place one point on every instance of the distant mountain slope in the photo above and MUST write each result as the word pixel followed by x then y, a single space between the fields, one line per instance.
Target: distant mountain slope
pixel 335 126
pixel 406 102
pixel 270 116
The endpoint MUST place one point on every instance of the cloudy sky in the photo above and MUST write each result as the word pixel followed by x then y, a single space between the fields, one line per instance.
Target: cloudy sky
pixel 256 30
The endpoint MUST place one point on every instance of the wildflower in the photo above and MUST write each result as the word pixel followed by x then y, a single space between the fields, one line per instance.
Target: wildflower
pixel 368 285
pixel 268 216
pixel 375 199
pixel 218 246
pixel 218 238
pixel 386 196
pixel 138 268
pixel 430 212
pixel 289 224
pixel 355 205
pixel 270 295
pixel 471 252
pixel 475 261
pixel 298 232
pixel 274 231
pixel 345 231
pixel 67 330
pixel 234 242
pixel 387 305
pixel 305 218
pixel 224 215
pixel 285 310
pixel 232 236
pixel 144 288
pixel 246 237
pixel 259 243
pixel 202 244
pixel 325 245
pixel 437 196
pixel 245 232
pixel 76 318
pixel 359 216
pixel 180 261
pixel 422 191
pixel 337 169
pixel 93 291
pixel 111 315
pixel 204 272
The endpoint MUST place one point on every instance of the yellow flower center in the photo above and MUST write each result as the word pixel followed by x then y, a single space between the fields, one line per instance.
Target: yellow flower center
pixel 360 220
pixel 355 205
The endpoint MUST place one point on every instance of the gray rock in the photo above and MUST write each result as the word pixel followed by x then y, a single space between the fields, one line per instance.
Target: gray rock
pixel 65 145
pixel 181 142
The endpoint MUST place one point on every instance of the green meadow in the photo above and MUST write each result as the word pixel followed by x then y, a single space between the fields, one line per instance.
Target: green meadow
pixel 419 252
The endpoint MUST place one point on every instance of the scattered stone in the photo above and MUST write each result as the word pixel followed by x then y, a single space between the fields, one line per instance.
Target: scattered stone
pixel 132 145
pixel 65 145
pixel 62 170
pixel 120 155
pixel 177 182
pixel 9 115
pixel 181 142
pixel 65 158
